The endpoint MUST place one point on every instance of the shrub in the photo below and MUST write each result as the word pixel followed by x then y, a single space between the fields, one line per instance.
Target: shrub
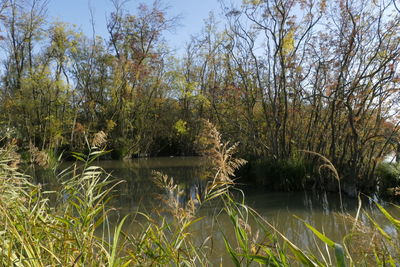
pixel 388 175
pixel 285 175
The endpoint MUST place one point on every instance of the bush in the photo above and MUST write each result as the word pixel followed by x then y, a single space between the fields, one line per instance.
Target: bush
pixel 285 175
pixel 388 176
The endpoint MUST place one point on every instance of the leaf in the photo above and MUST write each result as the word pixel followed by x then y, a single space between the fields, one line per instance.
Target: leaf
pixel 231 252
pixel 263 260
pixel 288 43
pixel 115 242
pixel 321 236
pixel 78 157
pixel 339 251
pixel 186 225
pixel 303 258
pixel 388 216
pixel 383 233
pixel 340 256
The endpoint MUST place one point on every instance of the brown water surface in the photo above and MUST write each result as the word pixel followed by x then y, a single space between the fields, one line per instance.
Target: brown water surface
pixel 321 210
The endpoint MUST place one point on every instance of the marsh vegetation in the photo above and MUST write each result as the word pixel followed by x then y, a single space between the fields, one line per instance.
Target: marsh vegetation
pixel 76 229
pixel 279 77
pixel 305 93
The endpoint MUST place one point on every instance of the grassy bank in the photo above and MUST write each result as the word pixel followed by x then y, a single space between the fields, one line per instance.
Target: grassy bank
pixel 74 230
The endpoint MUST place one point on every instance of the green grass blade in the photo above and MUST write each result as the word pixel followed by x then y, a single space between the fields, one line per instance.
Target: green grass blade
pixel 231 252
pixel 267 261
pixel 377 226
pixel 394 221
pixel 339 251
pixel 112 259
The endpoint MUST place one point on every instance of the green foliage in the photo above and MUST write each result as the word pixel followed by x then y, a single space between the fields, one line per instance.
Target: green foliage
pixel 181 127
pixel 35 233
pixel 388 175
pixel 148 100
pixel 308 87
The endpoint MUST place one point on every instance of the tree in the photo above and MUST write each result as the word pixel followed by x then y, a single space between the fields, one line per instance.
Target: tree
pixel 139 49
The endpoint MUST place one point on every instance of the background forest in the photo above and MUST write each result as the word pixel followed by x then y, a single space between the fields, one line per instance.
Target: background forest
pixel 282 77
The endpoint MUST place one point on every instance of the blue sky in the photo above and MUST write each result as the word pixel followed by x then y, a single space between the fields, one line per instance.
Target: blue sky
pixel 77 12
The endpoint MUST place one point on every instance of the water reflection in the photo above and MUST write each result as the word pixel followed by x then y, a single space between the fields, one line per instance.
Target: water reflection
pixel 322 210
pixel 139 188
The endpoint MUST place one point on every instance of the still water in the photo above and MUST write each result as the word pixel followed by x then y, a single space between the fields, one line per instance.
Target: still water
pixel 322 210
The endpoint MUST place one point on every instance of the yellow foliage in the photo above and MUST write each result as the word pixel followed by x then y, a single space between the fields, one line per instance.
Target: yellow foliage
pixel 252 2
pixel 203 100
pixel 181 127
pixel 288 43
pixel 382 54
pixel 110 124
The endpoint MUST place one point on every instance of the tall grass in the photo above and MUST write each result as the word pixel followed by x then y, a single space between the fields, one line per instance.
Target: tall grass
pixel 35 233
pixel 75 231
pixel 171 242
pixel 367 243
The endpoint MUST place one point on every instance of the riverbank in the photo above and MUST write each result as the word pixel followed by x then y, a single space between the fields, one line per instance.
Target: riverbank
pixel 77 228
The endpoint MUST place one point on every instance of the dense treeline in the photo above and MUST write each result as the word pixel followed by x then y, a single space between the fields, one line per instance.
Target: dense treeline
pixel 280 76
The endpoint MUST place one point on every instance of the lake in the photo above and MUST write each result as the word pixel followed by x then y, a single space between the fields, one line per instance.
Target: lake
pixel 321 210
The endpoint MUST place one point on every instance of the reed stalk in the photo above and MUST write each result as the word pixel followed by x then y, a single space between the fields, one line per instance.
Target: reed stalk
pixel 66 233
